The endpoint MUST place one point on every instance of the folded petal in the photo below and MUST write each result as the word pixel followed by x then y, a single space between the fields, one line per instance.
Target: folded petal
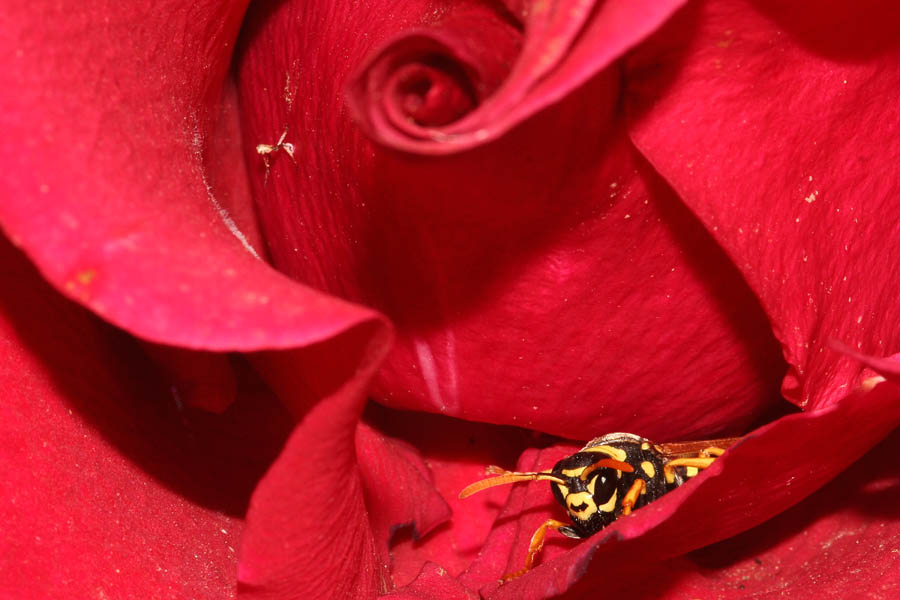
pixel 134 192
pixel 144 219
pixel 108 486
pixel 455 454
pixel 398 489
pixel 308 533
pixel 433 583
pixel 564 44
pixel 776 125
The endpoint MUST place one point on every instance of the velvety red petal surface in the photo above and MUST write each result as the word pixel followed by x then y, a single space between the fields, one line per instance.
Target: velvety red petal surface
pixel 543 280
pixel 110 487
pixel 308 532
pixel 433 583
pixel 110 129
pixel 777 126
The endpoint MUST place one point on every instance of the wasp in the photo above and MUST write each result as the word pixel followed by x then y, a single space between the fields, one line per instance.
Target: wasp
pixel 610 477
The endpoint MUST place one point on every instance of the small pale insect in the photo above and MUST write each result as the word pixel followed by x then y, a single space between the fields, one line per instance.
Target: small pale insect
pixel 610 477
pixel 265 150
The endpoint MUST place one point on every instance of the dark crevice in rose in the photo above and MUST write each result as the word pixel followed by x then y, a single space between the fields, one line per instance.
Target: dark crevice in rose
pixel 429 78
pixel 509 11
pixel 734 297
pixel 432 92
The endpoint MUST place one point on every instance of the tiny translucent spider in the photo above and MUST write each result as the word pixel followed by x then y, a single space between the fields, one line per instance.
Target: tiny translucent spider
pixel 265 150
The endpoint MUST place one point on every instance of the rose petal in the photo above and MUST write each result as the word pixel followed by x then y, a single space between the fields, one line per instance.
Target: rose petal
pixel 505 549
pixel 888 368
pixel 772 469
pixel 565 45
pixel 543 281
pixel 456 453
pixel 433 583
pixel 308 515
pixel 433 76
pixel 108 487
pixel 398 488
pixel 129 224
pixel 774 123
pixel 131 227
pixel 839 543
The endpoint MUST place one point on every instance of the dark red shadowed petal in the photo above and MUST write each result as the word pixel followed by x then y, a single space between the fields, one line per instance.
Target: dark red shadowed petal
pixel 398 489
pixel 563 45
pixel 110 488
pixel 772 469
pixel 200 379
pixel 433 583
pixel 776 124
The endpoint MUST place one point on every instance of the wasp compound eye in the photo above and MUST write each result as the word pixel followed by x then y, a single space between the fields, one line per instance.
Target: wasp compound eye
pixel 602 484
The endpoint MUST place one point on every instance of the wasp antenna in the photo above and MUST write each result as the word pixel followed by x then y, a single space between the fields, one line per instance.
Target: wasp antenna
pixel 510 477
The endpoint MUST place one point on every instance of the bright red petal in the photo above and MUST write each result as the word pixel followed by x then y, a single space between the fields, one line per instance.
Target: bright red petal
pixel 113 126
pixel 123 187
pixel 455 454
pixel 776 123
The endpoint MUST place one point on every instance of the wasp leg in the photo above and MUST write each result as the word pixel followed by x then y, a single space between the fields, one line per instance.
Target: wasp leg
pixel 713 451
pixel 700 463
pixel 632 495
pixel 534 549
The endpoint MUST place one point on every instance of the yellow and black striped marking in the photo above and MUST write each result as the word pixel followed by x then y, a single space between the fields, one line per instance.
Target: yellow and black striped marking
pixel 610 477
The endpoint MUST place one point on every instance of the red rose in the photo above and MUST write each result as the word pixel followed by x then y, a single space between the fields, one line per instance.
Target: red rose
pixel 576 218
